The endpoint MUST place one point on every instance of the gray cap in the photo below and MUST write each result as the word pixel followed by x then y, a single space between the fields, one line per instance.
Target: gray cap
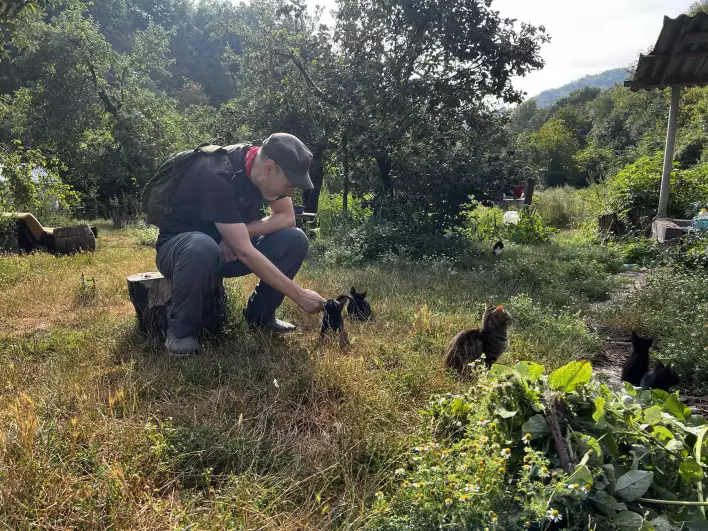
pixel 288 152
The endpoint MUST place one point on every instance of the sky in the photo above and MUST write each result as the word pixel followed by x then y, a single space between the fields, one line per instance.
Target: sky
pixel 587 37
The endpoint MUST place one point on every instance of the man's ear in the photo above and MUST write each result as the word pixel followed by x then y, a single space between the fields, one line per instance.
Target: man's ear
pixel 269 166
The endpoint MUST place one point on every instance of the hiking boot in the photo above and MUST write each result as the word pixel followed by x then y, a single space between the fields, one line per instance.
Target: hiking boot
pixel 272 325
pixel 181 347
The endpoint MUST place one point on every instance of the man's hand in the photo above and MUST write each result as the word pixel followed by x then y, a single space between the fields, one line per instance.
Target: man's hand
pixel 227 254
pixel 310 301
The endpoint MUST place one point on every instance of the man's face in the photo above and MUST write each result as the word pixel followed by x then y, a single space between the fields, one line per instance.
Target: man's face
pixel 274 183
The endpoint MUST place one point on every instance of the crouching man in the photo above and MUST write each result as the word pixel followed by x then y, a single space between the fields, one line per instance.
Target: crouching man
pixel 214 229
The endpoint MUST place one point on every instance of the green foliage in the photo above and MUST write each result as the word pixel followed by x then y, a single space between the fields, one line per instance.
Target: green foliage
pixel 93 107
pixel 530 229
pixel 691 253
pixel 553 148
pixel 641 251
pixel 563 208
pixel 625 446
pixel 146 235
pixel 638 185
pixel 487 225
pixel 8 234
pixel 31 183
pixel 672 306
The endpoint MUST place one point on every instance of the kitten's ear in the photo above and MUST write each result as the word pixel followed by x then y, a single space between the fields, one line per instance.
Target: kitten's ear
pixel 353 290
pixel 634 336
pixel 363 295
pixel 488 304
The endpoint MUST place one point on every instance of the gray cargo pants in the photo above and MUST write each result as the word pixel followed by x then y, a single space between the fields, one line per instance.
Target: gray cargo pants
pixel 192 261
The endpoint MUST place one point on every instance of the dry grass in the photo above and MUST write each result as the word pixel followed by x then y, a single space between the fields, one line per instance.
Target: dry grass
pixel 99 429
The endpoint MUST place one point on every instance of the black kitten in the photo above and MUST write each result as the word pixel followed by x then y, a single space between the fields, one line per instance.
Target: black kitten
pixel 333 318
pixel 358 308
pixel 637 363
pixel 498 248
pixel 661 377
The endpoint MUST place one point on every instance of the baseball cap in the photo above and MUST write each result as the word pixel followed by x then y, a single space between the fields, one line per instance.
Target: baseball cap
pixel 288 152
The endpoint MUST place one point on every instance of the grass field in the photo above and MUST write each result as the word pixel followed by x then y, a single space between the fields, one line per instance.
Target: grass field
pixel 99 429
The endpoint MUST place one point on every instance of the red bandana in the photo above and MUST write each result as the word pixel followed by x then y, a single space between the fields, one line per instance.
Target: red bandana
pixel 250 157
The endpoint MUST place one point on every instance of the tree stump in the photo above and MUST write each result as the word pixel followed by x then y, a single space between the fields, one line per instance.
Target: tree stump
pixel 151 295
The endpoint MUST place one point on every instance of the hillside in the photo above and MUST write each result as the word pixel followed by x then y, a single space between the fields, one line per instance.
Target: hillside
pixel 602 80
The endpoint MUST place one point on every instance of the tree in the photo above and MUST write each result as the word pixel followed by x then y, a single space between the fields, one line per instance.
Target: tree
pixel 554 147
pixel 96 109
pixel 273 95
pixel 699 6
pixel 404 63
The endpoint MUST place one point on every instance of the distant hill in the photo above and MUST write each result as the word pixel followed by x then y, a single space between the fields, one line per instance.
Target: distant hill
pixel 602 80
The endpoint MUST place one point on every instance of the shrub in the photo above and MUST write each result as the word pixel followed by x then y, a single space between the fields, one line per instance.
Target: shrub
pixel 638 185
pixel 352 243
pixel 563 207
pixel 488 457
pixel 642 251
pixel 487 225
pixel 146 235
pixel 691 252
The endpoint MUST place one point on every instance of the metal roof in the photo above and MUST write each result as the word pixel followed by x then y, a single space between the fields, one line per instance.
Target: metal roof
pixel 680 56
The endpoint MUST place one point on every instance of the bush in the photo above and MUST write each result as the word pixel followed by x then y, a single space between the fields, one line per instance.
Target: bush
pixel 563 207
pixel 146 235
pixel 487 225
pixel 353 242
pixel 641 251
pixel 638 186
pixel 487 458
pixel 691 252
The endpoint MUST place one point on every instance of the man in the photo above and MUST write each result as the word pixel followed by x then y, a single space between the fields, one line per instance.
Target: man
pixel 215 229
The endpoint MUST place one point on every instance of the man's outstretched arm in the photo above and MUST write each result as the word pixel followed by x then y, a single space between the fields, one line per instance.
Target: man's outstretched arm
pixel 237 237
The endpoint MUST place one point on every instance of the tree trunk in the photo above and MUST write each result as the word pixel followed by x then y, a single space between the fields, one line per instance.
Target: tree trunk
pixel 345 165
pixel 384 162
pixel 311 198
pixel 151 295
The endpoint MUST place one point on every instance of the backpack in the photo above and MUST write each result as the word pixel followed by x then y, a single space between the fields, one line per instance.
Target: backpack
pixel 160 189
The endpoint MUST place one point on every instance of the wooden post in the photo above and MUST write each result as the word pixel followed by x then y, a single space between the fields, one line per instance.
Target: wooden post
pixel 669 151
pixel 528 190
pixel 151 295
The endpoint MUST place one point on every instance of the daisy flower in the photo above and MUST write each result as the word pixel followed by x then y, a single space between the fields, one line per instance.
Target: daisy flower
pixel 554 515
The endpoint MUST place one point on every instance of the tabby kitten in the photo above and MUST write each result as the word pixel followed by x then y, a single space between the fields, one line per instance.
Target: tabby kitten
pixel 358 308
pixel 637 363
pixel 333 319
pixel 491 340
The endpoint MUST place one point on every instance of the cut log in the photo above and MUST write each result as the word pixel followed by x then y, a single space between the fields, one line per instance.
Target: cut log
pixel 151 295
pixel 74 239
